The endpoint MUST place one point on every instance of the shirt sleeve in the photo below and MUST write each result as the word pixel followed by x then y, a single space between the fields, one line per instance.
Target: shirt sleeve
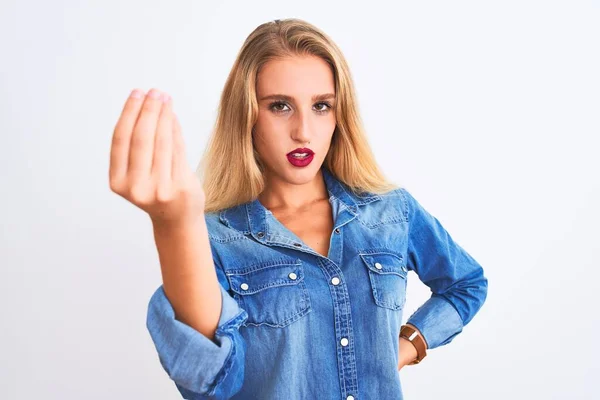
pixel 456 280
pixel 200 367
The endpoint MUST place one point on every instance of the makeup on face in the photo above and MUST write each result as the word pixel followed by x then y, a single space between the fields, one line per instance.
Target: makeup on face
pixel 300 157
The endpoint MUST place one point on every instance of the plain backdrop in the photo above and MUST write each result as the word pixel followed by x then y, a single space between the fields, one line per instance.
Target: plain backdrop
pixel 488 112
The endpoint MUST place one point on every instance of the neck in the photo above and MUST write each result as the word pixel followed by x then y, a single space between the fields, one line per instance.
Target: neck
pixel 279 195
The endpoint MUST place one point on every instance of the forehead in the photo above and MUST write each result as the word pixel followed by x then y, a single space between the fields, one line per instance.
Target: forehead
pixel 298 76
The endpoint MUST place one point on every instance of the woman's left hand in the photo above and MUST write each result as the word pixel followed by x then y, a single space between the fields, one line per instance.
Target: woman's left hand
pixel 407 352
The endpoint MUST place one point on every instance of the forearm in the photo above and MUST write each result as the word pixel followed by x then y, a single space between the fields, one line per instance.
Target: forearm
pixel 189 276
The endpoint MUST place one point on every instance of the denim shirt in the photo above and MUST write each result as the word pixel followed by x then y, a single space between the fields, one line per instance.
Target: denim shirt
pixel 297 325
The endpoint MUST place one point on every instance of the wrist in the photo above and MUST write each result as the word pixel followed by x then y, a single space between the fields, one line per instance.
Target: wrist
pixel 183 224
pixel 407 351
pixel 411 334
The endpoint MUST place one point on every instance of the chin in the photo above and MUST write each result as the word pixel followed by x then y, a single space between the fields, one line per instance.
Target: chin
pixel 299 175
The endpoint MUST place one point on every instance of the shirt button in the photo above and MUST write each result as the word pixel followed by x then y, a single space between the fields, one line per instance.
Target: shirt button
pixel 404 268
pixel 344 342
pixel 350 397
pixel 244 286
pixel 297 244
pixel 292 276
pixel 335 280
pixel 378 266
pixel 260 234
pixel 337 230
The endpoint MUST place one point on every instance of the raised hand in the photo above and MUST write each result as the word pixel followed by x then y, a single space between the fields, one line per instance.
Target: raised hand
pixel 148 166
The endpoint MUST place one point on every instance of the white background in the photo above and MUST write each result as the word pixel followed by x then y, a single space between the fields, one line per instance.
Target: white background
pixel 487 111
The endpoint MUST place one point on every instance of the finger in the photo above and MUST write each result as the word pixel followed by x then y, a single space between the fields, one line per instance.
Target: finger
pixel 119 150
pixel 141 148
pixel 179 158
pixel 163 146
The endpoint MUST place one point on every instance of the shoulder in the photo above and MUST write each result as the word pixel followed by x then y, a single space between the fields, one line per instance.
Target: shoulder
pixel 402 201
pixel 405 199
pixel 388 207
pixel 218 231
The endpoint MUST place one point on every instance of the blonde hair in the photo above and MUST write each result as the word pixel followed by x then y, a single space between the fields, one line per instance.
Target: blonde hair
pixel 230 168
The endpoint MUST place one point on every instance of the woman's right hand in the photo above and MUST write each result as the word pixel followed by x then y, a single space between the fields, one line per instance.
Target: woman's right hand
pixel 148 165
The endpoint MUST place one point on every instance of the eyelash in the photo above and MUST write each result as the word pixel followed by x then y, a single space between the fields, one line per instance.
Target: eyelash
pixel 279 103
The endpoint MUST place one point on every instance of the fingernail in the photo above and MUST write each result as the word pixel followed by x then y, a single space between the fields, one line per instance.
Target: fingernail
pixel 165 97
pixel 154 94
pixel 137 94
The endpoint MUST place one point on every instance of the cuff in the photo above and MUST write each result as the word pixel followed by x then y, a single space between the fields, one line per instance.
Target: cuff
pixel 438 321
pixel 191 359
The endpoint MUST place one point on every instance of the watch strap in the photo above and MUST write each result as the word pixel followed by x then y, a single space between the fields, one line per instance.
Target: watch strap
pixel 412 335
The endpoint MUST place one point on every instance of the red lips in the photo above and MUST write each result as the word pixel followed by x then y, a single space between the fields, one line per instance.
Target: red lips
pixel 301 150
pixel 300 162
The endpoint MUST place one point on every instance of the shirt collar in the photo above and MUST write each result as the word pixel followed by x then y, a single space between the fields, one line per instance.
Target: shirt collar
pixel 252 217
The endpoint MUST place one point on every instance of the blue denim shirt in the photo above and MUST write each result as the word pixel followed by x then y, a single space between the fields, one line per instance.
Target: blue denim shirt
pixel 297 325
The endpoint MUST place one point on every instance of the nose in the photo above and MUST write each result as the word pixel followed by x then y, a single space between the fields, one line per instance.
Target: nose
pixel 302 129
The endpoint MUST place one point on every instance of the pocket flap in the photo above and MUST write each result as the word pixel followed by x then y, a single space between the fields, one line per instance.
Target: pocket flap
pixel 385 263
pixel 255 280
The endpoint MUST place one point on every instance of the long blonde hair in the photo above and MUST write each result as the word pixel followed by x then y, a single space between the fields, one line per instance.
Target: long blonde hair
pixel 230 168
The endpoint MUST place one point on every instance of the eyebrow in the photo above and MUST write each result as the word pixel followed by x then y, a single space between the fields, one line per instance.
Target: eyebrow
pixel 316 97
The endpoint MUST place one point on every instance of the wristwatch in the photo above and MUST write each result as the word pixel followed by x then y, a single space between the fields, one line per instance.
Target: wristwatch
pixel 411 334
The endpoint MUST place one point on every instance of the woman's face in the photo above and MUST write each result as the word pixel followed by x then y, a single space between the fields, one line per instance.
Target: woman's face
pixel 296 99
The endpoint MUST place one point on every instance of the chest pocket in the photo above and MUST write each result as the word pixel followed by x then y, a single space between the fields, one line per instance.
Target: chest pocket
pixel 272 293
pixel 387 275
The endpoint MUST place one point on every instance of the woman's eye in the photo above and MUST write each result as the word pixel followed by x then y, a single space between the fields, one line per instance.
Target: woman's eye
pixel 323 107
pixel 280 107
pixel 277 107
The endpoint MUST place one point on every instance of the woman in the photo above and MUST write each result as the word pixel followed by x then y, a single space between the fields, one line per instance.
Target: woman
pixel 284 273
